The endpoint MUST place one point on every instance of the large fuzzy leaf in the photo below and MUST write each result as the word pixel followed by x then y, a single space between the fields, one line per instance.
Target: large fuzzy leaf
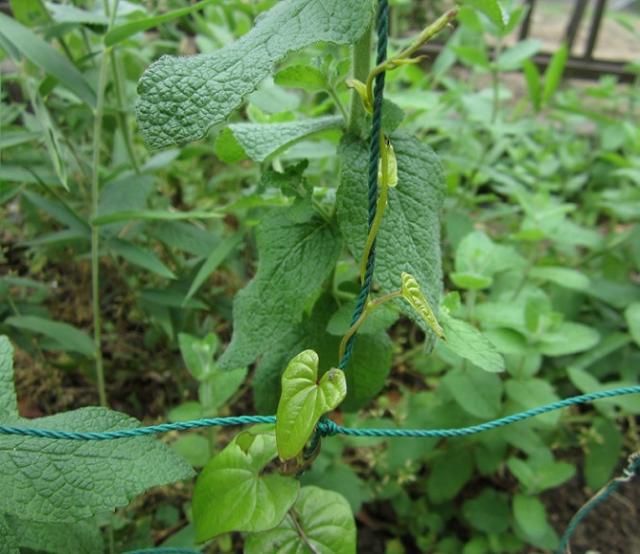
pixel 181 98
pixel 409 237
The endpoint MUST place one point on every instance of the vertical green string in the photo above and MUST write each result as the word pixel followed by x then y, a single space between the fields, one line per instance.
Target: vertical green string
pixel 382 31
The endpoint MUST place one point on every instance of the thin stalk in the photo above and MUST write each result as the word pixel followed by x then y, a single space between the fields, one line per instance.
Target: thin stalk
pixel 95 236
pixel 368 310
pixel 403 56
pixel 336 100
pixel 361 64
pixel 116 71
pixel 495 81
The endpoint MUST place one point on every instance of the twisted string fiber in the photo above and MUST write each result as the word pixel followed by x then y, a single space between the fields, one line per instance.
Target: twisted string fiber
pixel 382 31
pixel 326 427
pixel 632 469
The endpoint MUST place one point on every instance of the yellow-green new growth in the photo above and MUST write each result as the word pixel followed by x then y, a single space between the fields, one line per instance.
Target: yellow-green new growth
pixel 412 293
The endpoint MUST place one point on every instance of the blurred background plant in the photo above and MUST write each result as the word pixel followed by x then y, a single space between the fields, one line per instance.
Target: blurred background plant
pixel 139 253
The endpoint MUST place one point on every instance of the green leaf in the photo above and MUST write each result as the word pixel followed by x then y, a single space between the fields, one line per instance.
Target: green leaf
pixel 530 515
pixel 531 393
pixel 260 141
pixel 8 401
pixel 37 51
pixel 632 316
pixel 198 354
pixel 340 478
pixel 493 9
pixel 469 343
pixel 534 83
pixel 232 494
pixel 295 258
pixel 477 392
pixel 304 400
pixel 29 12
pixel 323 522
pixel 411 293
pixel 409 237
pixel 602 452
pixel 79 537
pixel 151 215
pixel 368 370
pixel 512 58
pixel 66 480
pixel 142 257
pixel 8 537
pixel 121 32
pixel 488 512
pixel 67 337
pixel 449 474
pixel 216 389
pixel 553 75
pixel 562 276
pixel 568 338
pixel 301 76
pixel 218 255
pixel 193 448
pixel 181 98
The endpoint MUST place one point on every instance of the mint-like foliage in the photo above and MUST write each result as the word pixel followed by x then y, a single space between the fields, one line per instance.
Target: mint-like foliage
pixel 181 98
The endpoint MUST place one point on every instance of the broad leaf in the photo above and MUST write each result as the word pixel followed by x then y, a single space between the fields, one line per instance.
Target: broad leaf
pixel 9 541
pixel 304 400
pixel 449 474
pixel 79 537
pixel 8 401
pixel 602 452
pixel 181 98
pixel 530 515
pixel 323 522
pixel 232 494
pixel 295 257
pixel 306 77
pixel 469 343
pixel 531 393
pixel 409 237
pixel 487 512
pixel 67 337
pixel 259 141
pixel 476 392
pixel 54 480
pixel 67 480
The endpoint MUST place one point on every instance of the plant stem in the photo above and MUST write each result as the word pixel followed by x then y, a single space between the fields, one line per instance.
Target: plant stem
pixel 122 114
pixel 495 80
pixel 368 310
pixel 95 236
pixel 361 65
pixel 336 100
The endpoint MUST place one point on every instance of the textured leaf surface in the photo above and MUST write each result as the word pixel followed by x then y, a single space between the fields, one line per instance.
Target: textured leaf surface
pixel 231 494
pixel 469 343
pixel 325 519
pixel 409 237
pixel 8 540
pixel 476 392
pixel 181 98
pixel 294 259
pixel 78 537
pixel 62 480
pixel 259 141
pixel 304 400
pixel 8 402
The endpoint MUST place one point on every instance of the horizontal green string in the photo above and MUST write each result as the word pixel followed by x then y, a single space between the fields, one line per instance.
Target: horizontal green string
pixel 326 427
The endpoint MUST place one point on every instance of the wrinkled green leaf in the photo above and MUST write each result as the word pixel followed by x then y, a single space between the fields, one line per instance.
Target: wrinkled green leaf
pixel 66 480
pixel 78 537
pixel 181 98
pixel 304 400
pixel 409 237
pixel 325 519
pixel 295 257
pixel 8 401
pixel 232 494
pixel 67 337
pixel 259 141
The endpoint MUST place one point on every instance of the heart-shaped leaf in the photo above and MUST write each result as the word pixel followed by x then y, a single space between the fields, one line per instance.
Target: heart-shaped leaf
pixel 232 494
pixel 304 400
